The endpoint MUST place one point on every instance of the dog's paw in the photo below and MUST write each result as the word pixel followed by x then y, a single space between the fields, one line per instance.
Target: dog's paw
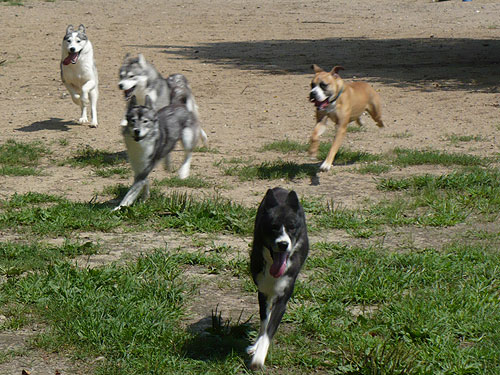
pixel 325 167
pixel 124 122
pixel 251 349
pixel 93 124
pixel 83 120
pixel 183 173
pixel 117 208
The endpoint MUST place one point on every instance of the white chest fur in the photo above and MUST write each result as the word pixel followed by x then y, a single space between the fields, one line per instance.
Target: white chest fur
pixel 269 285
pixel 139 153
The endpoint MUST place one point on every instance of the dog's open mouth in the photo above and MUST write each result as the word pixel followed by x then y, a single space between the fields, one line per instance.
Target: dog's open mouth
pixel 279 263
pixel 72 58
pixel 321 105
pixel 128 93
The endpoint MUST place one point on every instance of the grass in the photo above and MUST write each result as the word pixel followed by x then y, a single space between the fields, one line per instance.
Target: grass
pixel 432 311
pixel 90 157
pixel 190 182
pixel 51 215
pixel 138 311
pixel 21 159
pixel 18 258
pixel 407 157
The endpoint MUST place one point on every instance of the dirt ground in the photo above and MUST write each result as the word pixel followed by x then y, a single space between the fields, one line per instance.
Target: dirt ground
pixel 436 66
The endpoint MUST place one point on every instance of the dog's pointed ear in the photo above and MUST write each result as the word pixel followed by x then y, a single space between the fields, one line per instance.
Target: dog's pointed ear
pixel 149 102
pixel 316 68
pixel 70 29
pixel 81 29
pixel 270 200
pixel 127 55
pixel 293 200
pixel 142 61
pixel 132 102
pixel 336 69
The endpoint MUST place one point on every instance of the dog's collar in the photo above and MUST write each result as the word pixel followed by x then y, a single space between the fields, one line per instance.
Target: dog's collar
pixel 333 102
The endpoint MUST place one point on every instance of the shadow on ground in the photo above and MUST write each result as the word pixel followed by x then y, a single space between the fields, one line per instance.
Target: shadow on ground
pixel 50 124
pixel 219 340
pixel 420 63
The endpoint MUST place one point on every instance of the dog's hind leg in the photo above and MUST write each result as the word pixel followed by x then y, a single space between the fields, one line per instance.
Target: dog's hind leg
pixel 204 137
pixel 188 142
pixel 374 109
pixel 93 94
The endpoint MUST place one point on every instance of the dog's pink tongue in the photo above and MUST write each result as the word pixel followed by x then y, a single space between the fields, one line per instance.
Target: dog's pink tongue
pixel 71 59
pixel 279 264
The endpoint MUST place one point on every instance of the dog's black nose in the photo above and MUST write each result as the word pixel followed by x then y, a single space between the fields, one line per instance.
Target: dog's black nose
pixel 72 49
pixel 120 86
pixel 282 245
pixel 137 132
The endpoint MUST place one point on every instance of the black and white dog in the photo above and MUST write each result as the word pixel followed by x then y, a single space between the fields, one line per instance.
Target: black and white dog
pixel 280 247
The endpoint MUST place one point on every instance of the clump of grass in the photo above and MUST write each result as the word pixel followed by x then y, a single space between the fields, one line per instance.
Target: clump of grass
pixel 285 146
pixel 16 258
pixel 90 157
pixel 374 168
pixel 406 157
pixel 272 171
pixel 454 138
pixel 20 159
pixel 190 182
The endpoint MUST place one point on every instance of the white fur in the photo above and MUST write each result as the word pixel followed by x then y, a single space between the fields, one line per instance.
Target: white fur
pixel 259 352
pixel 81 78
pixel 139 153
pixel 318 94
pixel 188 138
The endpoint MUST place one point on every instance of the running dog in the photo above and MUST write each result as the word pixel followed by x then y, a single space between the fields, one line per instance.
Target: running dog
pixel 342 102
pixel 151 135
pixel 280 248
pixel 140 79
pixel 79 72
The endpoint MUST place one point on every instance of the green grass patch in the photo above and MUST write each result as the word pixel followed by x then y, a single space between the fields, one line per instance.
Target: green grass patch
pixel 190 182
pixel 51 215
pixel 91 157
pixel 272 171
pixel 407 157
pixel 113 171
pixel 21 159
pixel 128 314
pixel 374 168
pixel 16 258
pixel 426 312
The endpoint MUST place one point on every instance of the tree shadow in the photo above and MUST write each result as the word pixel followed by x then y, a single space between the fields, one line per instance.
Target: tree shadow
pixel 419 63
pixel 50 124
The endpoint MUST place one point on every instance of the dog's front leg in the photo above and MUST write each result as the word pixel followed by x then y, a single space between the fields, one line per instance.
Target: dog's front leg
pixel 317 131
pixel 133 193
pixel 84 100
pixel 339 137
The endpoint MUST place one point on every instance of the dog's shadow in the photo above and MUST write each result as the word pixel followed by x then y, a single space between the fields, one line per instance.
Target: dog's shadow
pixel 214 340
pixel 50 124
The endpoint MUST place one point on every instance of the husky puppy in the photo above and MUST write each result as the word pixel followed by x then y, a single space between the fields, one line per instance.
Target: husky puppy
pixel 140 78
pixel 79 73
pixel 280 247
pixel 151 135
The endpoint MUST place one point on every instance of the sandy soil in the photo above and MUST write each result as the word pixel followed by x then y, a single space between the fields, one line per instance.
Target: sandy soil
pixel 436 66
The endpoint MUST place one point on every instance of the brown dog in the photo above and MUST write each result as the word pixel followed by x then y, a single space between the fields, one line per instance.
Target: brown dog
pixel 342 102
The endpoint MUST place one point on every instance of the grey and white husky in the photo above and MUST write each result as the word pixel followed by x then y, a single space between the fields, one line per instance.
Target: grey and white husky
pixel 140 78
pixel 151 135
pixel 280 248
pixel 79 72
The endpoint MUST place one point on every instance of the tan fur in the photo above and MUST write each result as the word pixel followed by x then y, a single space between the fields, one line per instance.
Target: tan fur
pixel 356 98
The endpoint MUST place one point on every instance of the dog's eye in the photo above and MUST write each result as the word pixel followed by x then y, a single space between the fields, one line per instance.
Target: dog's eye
pixel 313 85
pixel 323 85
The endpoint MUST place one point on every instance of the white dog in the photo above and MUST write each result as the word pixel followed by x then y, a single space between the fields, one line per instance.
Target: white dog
pixel 79 73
